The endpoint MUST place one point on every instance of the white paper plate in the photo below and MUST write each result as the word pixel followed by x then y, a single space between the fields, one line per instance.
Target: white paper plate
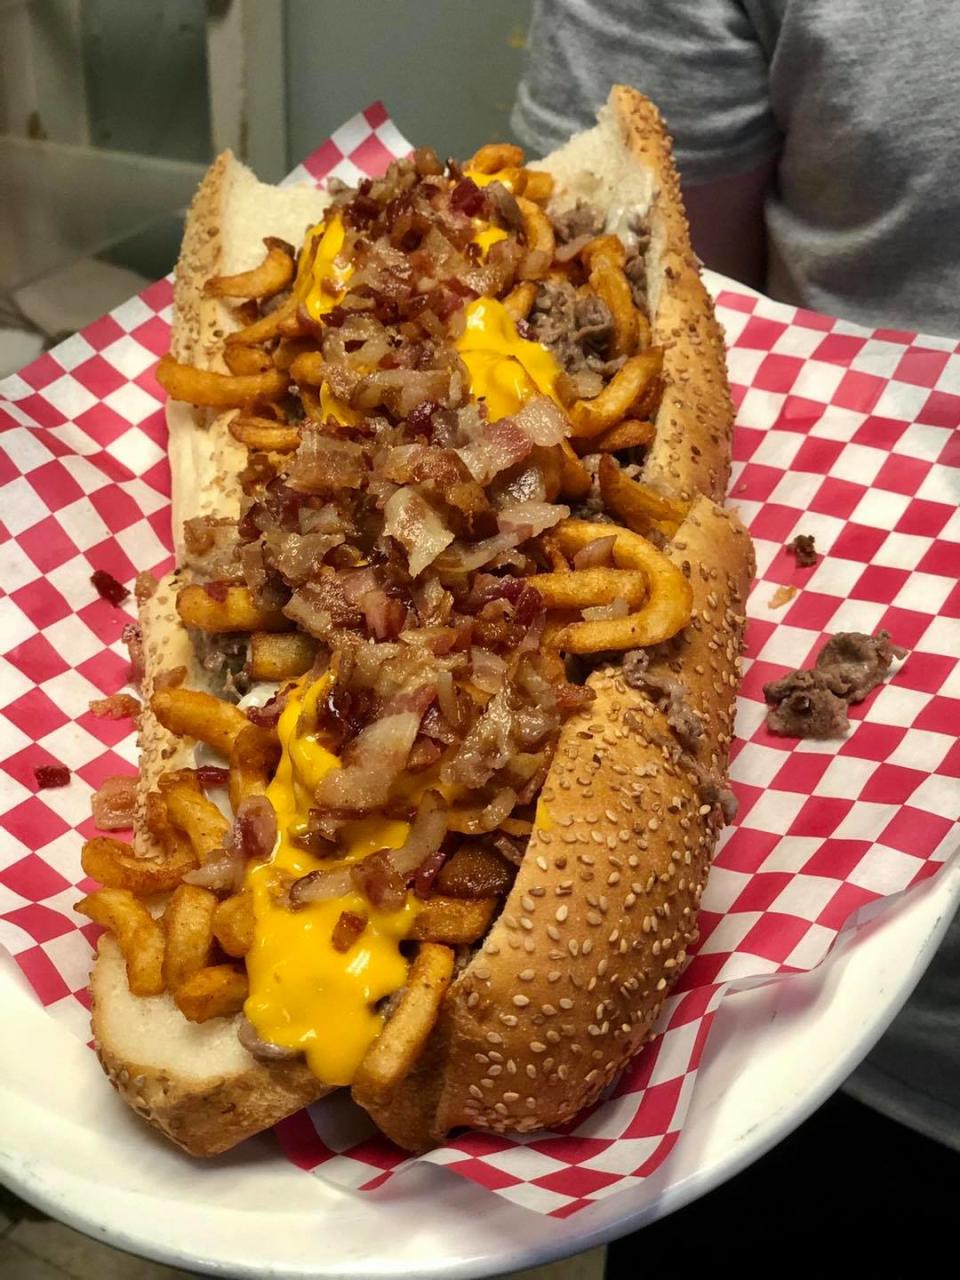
pixel 70 1147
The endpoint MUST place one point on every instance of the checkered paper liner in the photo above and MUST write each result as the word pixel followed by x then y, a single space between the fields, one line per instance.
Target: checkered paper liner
pixel 845 433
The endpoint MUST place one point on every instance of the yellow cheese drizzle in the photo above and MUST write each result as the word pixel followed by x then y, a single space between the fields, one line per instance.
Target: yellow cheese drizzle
pixel 505 369
pixel 304 994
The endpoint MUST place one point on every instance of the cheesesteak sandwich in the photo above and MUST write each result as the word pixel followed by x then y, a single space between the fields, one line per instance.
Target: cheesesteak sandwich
pixel 438 704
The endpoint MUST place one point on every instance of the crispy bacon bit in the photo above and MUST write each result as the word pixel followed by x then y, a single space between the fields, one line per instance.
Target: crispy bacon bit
pixel 467 198
pixel 347 930
pixel 117 706
pixel 211 775
pixel 254 828
pixel 427 873
pixel 379 883
pixel 374 759
pixel 223 874
pixel 108 587
pixel 417 526
pixel 268 716
pixel 171 679
pixel 51 775
pixel 595 554
pixel 114 803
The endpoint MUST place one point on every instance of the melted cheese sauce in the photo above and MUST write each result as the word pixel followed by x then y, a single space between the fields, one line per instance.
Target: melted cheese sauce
pixel 324 282
pixel 304 994
pixel 505 369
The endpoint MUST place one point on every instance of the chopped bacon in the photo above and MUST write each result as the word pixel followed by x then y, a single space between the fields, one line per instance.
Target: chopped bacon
pixel 51 775
pixel 269 714
pixel 384 617
pixel 379 883
pixel 217 590
pixel 254 830
pixel 417 526
pixel 108 587
pixel 117 706
pixel 503 444
pixel 347 930
pixel 373 761
pixel 325 464
pixel 114 803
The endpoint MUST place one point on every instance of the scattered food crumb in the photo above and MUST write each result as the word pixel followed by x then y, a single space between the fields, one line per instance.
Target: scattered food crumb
pixel 118 706
pixel 783 595
pixel 108 587
pixel 813 704
pixel 51 775
pixel 803 549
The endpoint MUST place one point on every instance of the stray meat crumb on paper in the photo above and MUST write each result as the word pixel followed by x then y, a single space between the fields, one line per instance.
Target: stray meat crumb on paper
pixel 803 549
pixel 813 704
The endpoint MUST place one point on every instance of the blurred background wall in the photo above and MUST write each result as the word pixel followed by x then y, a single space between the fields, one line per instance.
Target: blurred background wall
pixel 446 69
pixel 110 109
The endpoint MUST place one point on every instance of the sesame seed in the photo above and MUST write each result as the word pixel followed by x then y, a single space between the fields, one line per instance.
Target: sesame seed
pixel 526 975
pixel 561 913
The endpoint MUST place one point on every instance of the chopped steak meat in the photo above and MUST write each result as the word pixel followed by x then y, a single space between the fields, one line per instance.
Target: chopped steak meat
pixel 813 704
pixel 803 549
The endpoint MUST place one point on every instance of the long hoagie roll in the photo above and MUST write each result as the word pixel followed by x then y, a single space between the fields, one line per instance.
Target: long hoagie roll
pixel 438 705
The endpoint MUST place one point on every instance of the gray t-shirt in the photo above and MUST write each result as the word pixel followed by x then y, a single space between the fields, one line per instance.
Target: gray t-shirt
pixel 858 100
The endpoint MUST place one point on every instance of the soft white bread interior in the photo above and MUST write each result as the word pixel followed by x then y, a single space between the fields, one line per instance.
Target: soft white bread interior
pixel 229 216
pixel 625 165
pixel 193 1081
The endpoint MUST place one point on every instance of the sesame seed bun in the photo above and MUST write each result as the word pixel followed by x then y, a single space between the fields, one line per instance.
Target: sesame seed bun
pixel 571 977
pixel 625 165
pixel 596 930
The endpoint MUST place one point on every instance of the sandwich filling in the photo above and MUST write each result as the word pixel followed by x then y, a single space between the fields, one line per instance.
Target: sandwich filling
pixel 428 557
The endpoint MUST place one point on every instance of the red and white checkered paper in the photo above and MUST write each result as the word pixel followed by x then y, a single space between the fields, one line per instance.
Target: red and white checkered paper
pixel 848 434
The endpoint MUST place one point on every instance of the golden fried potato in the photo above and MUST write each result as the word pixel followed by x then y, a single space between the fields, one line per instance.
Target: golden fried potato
pixel 190 713
pixel 115 864
pixel 188 927
pixel 216 991
pixel 233 924
pixel 219 390
pixel 395 1050
pixel 139 937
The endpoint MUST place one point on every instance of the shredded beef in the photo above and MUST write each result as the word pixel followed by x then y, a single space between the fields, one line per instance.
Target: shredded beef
pixel 803 549
pixel 581 220
pixel 668 694
pixel 813 704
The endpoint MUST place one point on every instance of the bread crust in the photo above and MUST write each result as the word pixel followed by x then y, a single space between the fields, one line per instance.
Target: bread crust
pixel 572 976
pixel 205 1113
pixel 630 148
